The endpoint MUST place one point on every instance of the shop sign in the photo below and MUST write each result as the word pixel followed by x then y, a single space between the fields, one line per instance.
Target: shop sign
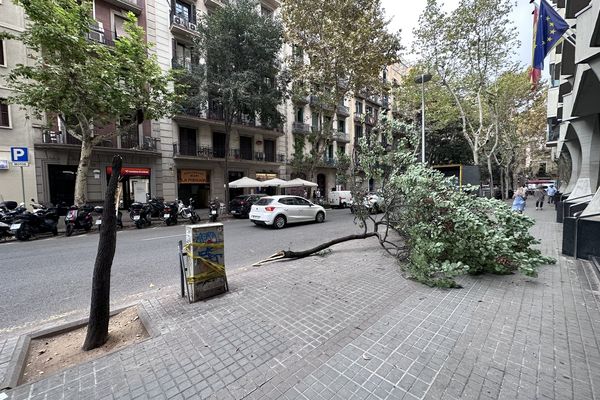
pixel 131 171
pixel 191 176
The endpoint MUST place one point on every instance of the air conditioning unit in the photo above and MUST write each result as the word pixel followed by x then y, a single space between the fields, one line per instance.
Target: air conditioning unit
pixel 97 37
pixel 178 20
pixel 192 26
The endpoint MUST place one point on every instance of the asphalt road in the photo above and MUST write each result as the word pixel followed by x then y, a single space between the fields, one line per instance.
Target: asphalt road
pixel 50 279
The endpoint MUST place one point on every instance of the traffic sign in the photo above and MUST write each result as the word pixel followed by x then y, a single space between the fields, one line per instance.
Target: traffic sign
pixel 19 156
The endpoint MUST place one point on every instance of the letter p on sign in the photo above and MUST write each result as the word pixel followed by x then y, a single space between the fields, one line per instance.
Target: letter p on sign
pixel 19 156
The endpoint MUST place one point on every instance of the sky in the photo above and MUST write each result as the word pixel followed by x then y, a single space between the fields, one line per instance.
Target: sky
pixel 405 15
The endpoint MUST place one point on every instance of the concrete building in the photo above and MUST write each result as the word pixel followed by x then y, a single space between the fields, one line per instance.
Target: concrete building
pixel 15 128
pixel 573 115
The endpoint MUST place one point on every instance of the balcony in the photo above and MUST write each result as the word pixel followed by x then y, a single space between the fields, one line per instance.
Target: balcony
pixel 127 142
pixel 375 100
pixel 300 98
pixel 358 116
pixel 130 5
pixel 342 137
pixel 218 153
pixel 343 111
pixel 214 116
pixel 328 162
pixel 216 3
pixel 301 128
pixel 181 24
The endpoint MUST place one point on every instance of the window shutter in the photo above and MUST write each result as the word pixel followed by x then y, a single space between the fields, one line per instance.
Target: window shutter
pixel 193 16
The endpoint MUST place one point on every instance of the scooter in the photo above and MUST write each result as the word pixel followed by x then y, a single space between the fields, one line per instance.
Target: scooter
pixel 155 207
pixel 99 210
pixel 140 215
pixel 27 224
pixel 78 218
pixel 213 210
pixel 170 213
pixel 188 212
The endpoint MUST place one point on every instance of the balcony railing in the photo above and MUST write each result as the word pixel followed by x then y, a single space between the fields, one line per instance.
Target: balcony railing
pixel 217 115
pixel 182 22
pixel 216 3
pixel 370 119
pixel 329 161
pixel 341 137
pixel 127 142
pixel 302 128
pixel 207 152
pixel 343 110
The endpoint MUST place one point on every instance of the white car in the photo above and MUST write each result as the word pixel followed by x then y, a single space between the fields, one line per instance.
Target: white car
pixel 278 211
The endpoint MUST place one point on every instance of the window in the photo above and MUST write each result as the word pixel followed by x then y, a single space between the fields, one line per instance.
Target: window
pixel 300 114
pixel 358 130
pixel 358 106
pixel 183 55
pixel 183 10
pixel 119 26
pixel 2 54
pixel 341 125
pixel 300 201
pixel 369 110
pixel 266 12
pixel 4 114
pixel 315 121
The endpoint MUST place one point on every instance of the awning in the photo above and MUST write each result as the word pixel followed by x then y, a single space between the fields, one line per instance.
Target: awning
pixel 130 171
pixel 298 183
pixel 245 182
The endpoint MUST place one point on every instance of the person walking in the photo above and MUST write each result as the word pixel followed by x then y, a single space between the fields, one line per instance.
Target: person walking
pixel 519 200
pixel 539 194
pixel 551 191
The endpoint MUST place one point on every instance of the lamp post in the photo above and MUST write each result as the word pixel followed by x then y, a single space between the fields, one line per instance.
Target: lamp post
pixel 422 79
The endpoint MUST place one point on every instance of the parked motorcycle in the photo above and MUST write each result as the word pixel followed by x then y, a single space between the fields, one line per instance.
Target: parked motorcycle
pixel 213 210
pixel 155 207
pixel 99 210
pixel 28 224
pixel 79 218
pixel 61 209
pixel 140 214
pixel 170 213
pixel 188 212
pixel 5 230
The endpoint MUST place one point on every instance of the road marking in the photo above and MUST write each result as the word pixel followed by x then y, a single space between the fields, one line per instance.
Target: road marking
pixel 163 237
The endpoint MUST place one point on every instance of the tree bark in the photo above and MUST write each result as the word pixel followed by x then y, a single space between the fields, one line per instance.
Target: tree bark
pixel 97 332
pixel 227 143
pixel 82 170
pixel 491 172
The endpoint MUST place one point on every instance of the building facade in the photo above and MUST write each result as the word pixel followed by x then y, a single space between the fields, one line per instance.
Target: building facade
pixel 573 106
pixel 15 128
pixel 184 156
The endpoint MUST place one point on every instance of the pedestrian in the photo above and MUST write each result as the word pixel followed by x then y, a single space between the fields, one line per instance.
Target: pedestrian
pixel 318 193
pixel 519 201
pixel 305 194
pixel 539 194
pixel 551 191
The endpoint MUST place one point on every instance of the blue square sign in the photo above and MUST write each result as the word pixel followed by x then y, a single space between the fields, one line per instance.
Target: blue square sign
pixel 19 156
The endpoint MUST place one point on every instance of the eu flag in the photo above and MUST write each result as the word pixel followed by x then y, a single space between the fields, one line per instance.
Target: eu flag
pixel 550 28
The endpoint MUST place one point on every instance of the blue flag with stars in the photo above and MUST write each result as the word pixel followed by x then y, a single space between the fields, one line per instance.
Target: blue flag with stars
pixel 550 28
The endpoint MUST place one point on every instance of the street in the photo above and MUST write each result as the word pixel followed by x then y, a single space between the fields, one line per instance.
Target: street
pixel 50 279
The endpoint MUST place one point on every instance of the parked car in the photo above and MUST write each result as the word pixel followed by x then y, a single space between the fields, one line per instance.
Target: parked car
pixel 240 206
pixel 340 198
pixel 278 211
pixel 373 201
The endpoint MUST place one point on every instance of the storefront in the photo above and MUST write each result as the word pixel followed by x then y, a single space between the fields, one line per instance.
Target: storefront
pixel 265 176
pixel 194 183
pixel 135 184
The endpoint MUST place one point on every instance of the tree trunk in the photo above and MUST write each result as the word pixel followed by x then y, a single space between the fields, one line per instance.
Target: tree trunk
pixel 226 173
pixel 502 183
pixel 491 172
pixel 507 184
pixel 97 332
pixel 82 170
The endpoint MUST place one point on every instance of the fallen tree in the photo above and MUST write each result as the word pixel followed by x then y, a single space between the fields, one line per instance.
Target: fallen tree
pixel 439 229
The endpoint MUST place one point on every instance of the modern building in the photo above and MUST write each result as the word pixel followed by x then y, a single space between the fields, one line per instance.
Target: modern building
pixel 573 116
pixel 16 183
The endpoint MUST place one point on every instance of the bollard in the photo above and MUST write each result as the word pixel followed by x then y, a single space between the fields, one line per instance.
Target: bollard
pixel 205 249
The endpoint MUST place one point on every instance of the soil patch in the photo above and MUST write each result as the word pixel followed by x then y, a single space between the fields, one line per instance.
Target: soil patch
pixel 56 353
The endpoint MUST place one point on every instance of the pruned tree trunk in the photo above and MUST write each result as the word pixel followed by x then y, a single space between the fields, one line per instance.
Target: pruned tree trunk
pixel 491 172
pixel 82 171
pixel 226 173
pixel 97 332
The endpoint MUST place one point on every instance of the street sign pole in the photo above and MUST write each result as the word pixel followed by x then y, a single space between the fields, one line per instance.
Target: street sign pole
pixel 23 185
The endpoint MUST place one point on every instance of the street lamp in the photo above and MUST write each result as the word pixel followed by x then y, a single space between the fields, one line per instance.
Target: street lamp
pixel 422 79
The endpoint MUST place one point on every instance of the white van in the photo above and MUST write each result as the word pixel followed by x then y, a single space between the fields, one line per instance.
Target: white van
pixel 340 198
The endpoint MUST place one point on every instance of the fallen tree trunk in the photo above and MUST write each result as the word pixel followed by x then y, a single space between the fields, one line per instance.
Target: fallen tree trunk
pixel 305 253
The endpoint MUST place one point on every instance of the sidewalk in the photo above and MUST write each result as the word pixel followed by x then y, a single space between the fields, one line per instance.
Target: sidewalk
pixel 349 326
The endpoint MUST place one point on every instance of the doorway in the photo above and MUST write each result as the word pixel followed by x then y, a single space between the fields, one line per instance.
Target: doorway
pixel 61 179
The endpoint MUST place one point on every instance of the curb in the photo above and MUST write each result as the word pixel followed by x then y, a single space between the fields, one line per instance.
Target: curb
pixel 17 361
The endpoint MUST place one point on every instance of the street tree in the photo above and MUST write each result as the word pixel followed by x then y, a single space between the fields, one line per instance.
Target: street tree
pixel 97 91
pixel 236 72
pixel 467 49
pixel 340 47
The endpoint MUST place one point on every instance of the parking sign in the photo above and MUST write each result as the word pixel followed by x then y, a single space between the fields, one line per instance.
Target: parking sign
pixel 19 156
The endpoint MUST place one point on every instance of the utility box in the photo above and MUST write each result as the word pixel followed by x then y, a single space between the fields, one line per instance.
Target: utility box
pixel 205 250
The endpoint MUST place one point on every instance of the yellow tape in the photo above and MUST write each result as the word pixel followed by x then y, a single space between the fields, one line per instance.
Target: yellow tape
pixel 218 270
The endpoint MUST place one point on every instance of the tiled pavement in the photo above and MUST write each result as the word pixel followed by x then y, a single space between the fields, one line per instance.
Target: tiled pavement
pixel 348 326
